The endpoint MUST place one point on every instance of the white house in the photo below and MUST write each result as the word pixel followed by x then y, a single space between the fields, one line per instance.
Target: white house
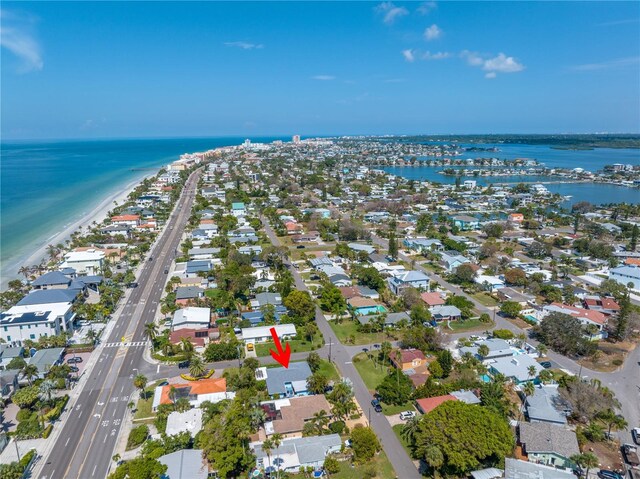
pixel 260 334
pixel 415 279
pixel 295 453
pixel 191 317
pixel 84 262
pixel 33 321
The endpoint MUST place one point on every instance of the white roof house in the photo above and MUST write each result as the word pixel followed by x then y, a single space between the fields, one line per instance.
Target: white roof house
pixel 191 317
pixel 32 321
pixel 189 421
pixel 263 333
pixel 515 368
pixel 89 261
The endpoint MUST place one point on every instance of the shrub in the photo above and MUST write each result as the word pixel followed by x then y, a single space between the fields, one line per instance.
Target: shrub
pixel 26 459
pixel 137 436
pixel 47 431
pixel 503 334
pixel 55 412
pixel 331 465
pixel 337 427
pixel 24 415
pixel 30 429
pixel 617 362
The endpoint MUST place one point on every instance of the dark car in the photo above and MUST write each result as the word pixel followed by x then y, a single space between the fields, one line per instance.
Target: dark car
pixel 132 285
pixel 301 246
pixel 166 271
pixel 150 258
pixel 376 405
pixel 163 383
pixel 183 364
pixel 604 474
pixel 74 369
pixel 74 360
pixel 545 364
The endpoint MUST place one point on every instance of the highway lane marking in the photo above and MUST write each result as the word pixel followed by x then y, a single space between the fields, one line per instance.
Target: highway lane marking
pixel 348 362
pixel 94 470
pixel 67 443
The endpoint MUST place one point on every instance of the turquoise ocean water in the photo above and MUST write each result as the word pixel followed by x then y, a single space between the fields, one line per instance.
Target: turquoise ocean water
pixel 46 186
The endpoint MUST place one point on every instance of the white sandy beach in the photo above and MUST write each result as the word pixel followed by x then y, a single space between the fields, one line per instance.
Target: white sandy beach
pixel 98 214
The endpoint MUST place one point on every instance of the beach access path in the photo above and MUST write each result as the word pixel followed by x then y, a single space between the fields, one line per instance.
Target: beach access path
pixel 84 447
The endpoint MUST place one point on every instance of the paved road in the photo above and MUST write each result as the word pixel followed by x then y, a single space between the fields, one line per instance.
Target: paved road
pixel 341 357
pixel 87 440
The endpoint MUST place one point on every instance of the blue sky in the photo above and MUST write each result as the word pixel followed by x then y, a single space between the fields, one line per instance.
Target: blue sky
pixel 94 70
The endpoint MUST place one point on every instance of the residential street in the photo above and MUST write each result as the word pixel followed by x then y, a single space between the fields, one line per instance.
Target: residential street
pixel 84 446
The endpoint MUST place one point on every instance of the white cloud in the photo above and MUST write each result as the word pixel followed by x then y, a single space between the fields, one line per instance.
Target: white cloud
pixel 390 12
pixel 498 64
pixel 502 64
pixel 432 33
pixel 408 55
pixel 244 45
pixel 16 35
pixel 323 77
pixel 607 65
pixel 435 56
pixel 426 7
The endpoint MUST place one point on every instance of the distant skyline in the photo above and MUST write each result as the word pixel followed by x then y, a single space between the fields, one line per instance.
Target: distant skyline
pixel 74 70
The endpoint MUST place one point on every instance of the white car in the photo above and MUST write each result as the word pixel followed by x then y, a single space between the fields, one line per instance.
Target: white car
pixel 406 415
pixel 635 434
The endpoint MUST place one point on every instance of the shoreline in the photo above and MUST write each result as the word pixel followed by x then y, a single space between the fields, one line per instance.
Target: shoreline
pixel 97 214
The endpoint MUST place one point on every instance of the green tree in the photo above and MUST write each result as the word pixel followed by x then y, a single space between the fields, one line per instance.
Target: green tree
pixel 300 305
pixel 467 435
pixel 30 371
pixel 139 468
pixel 341 400
pixel 510 309
pixel 464 274
pixel 393 246
pixel 446 362
pixel 587 460
pixel 140 382
pixel 331 299
pixel 395 389
pixel 314 361
pixel 633 243
pixel 317 383
pixel 26 397
pixel 365 443
pixel 196 367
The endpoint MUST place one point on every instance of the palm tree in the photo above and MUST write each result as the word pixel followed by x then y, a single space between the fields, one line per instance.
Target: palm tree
pixel 611 420
pixel 25 271
pixel 267 447
pixel 52 251
pixel 277 440
pixel 433 456
pixel 483 351
pixel 586 460
pixel 45 390
pixel 187 348
pixel 30 371
pixel 410 428
pixel 542 350
pixel 320 421
pixel 196 367
pixel 140 382
pixel 92 336
pixel 151 330
pixel 531 371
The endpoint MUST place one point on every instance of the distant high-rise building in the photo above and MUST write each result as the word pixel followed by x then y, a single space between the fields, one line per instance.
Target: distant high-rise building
pixel 247 143
pixel 296 139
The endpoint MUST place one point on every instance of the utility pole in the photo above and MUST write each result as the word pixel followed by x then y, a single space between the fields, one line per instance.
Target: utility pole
pixel 15 441
pixel 330 343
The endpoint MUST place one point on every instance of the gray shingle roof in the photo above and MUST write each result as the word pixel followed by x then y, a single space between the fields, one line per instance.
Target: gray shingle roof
pixel 184 464
pixel 51 278
pixel 46 296
pixel 546 405
pixel 539 437
pixel 276 377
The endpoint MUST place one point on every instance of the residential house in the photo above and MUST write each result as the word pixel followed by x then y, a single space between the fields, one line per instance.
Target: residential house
pixel 585 316
pixel 432 299
pixel 361 247
pixel 191 317
pixel 51 280
pixel 516 218
pixel 8 383
pixel 408 279
pixel 126 220
pixel 196 392
pixel 510 294
pixel 261 334
pixel 8 353
pixel 238 209
pixel 84 262
pixel 628 274
pixel 408 359
pixel 188 421
pixel 310 237
pixel 423 244
pixel 426 405
pixel 547 443
pixel 263 299
pixel 188 294
pixel 360 306
pixel 43 359
pixel 489 283
pixel 450 260
pixel 199 337
pixel 185 464
pixel 203 253
pixel 546 405
pixel 517 469
pixel 293 228
pixel 295 454
pixel 393 319
pixel 197 266
pixel 466 223
pixel 288 416
pixel 445 313
pixel 604 305
pixel 286 382
pixel 498 348
pixel 34 321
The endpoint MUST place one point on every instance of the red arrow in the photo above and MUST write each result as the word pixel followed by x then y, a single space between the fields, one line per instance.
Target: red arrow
pixel 282 356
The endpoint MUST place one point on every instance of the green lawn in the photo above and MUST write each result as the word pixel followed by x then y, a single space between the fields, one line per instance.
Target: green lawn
pixel 392 410
pixel 143 408
pixel 328 370
pixel 371 374
pixel 398 430
pixel 297 346
pixel 382 465
pixel 348 328
pixel 485 299
pixel 471 324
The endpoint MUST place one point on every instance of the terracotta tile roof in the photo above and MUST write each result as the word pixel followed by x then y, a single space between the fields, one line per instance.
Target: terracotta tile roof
pixel 426 405
pixel 594 316
pixel 632 261
pixel 360 302
pixel 125 218
pixel 203 386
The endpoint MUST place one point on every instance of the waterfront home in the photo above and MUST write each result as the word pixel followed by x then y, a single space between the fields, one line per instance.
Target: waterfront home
pixel 585 316
pixel 549 444
pixel 450 260
pixel 115 230
pixel 414 279
pixel 546 405
pixel 515 368
pixel 50 296
pixel 261 334
pixel 51 280
pixel 286 382
pixel 360 306
pixel 296 454
pixel 191 317
pixel 432 299
pixel 196 392
pixel 84 262
pixel 34 321
pixel 43 359
pixel 466 223
pixel 126 220
pixel 289 415
pixel 626 275
pixel 445 313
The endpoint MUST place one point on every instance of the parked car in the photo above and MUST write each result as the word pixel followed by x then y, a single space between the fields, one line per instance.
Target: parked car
pixel 74 360
pixel 183 364
pixel 604 474
pixel 376 405
pixel 250 347
pixel 132 285
pixel 150 258
pixel 301 246
pixel 74 369
pixel 635 434
pixel 545 364
pixel 406 415
pixel 166 271
pixel 163 383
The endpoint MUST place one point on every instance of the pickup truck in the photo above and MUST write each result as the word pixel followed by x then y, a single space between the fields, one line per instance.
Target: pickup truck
pixel 631 454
